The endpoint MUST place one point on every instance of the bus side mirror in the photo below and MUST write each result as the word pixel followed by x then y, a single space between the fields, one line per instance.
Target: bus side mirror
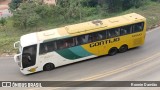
pixel 16 44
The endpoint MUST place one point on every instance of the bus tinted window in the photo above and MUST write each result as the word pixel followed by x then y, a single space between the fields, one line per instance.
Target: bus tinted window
pixel 84 39
pixel 138 27
pixel 99 36
pixel 47 47
pixel 113 32
pixel 65 43
pixel 126 30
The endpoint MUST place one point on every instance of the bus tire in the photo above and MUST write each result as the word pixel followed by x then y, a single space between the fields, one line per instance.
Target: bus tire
pixel 48 67
pixel 123 48
pixel 113 51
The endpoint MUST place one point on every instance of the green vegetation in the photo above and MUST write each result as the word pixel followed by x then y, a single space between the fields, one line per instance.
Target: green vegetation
pixel 35 16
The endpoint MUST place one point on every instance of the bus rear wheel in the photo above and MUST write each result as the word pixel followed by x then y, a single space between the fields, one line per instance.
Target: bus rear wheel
pixel 48 67
pixel 113 51
pixel 123 48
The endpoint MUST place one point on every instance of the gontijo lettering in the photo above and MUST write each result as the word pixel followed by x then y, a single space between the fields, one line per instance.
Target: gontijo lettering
pixel 104 42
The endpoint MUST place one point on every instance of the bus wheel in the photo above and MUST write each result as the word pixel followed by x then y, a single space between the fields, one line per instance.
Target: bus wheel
pixel 112 51
pixel 48 67
pixel 123 48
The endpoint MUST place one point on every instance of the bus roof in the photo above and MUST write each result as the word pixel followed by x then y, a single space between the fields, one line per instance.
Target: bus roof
pixel 88 27
pixel 91 26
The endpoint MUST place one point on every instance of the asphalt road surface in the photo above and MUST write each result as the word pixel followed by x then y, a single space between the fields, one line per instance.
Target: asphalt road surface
pixel 139 64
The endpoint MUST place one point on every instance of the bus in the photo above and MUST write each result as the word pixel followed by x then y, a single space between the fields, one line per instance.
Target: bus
pixel 46 50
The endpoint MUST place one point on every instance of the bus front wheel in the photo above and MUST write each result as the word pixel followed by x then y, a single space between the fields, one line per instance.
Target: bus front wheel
pixel 112 51
pixel 48 67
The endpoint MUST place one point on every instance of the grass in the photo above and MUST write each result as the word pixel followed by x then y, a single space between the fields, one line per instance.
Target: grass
pixel 11 34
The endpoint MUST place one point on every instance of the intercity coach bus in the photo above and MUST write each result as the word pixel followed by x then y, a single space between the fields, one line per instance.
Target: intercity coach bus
pixel 48 49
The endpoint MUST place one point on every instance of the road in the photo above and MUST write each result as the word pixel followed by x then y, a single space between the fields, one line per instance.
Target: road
pixel 139 64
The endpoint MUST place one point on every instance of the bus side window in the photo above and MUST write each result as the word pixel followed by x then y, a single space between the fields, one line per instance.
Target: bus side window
pixel 94 37
pixel 69 42
pixel 125 30
pixel 60 44
pixel 138 27
pixel 113 32
pixel 83 39
pixel 65 43
pixel 79 40
pixel 102 35
pixel 47 47
pixel 42 49
pixel 99 35
pixel 51 46
pixel 107 34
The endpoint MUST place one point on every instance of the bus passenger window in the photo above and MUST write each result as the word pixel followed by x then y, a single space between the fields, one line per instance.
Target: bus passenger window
pixel 69 42
pixel 65 43
pixel 102 35
pixel 42 49
pixel 93 37
pixel 117 32
pixel 47 47
pixel 79 40
pixel 99 35
pixel 84 39
pixel 138 27
pixel 113 33
pixel 51 46
pixel 125 30
pixel 60 44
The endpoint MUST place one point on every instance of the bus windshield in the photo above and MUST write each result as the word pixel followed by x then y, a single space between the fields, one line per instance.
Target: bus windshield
pixel 29 56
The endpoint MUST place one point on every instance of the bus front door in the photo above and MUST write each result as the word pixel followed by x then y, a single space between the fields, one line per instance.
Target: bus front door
pixel 29 56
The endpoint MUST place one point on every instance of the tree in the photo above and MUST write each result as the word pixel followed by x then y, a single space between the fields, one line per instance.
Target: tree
pixel 133 3
pixel 67 8
pixel 25 16
pixel 14 4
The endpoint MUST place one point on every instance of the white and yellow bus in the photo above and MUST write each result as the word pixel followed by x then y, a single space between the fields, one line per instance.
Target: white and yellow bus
pixel 46 50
